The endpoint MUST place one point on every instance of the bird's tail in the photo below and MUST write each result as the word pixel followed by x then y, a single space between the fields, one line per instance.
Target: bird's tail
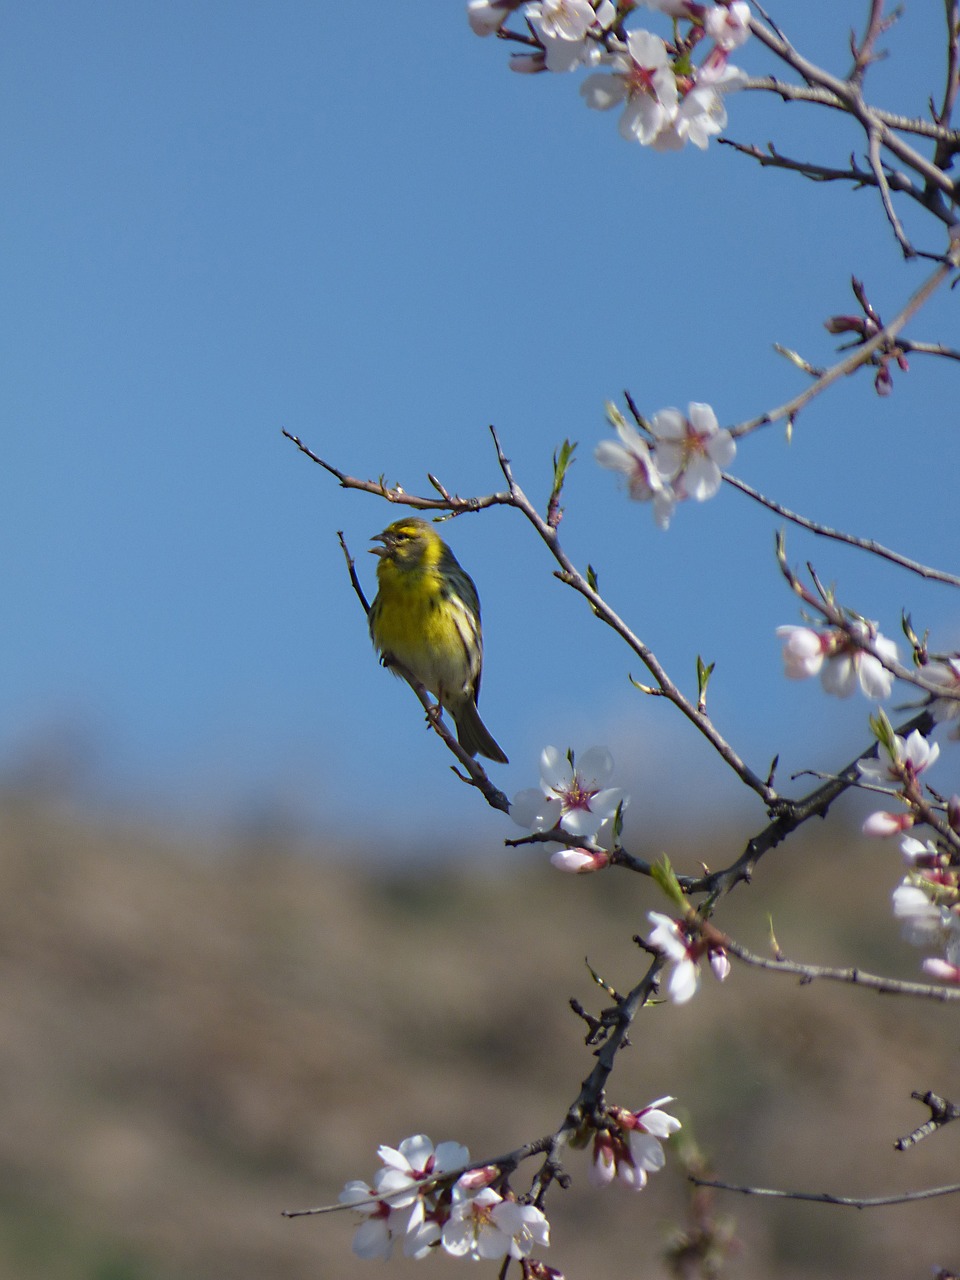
pixel 474 736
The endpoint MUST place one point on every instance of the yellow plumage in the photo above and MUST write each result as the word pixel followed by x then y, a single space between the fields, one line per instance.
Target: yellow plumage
pixel 426 618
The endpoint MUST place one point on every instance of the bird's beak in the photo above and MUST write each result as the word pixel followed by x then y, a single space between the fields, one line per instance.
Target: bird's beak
pixel 378 551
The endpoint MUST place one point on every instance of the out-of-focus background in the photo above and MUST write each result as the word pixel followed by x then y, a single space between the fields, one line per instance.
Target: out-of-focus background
pixel 194 1038
pixel 252 924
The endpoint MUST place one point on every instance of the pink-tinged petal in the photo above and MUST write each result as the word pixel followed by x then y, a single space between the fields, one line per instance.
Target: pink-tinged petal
pixel 839 676
pixel 631 1175
pixel 457 1237
pixel 659 1123
pixel 942 969
pixel 719 963
pixel 527 64
pixel 702 418
pixel 535 811
pixel 722 448
pixel 663 506
pixel 449 1156
pixel 581 823
pixel 875 680
pixel 603 1166
pixel 417 1151
pixel 683 983
pixel 802 652
pixel 881 824
pixel 701 478
pixel 372 1239
pixel 393 1158
pixel 486 18
pixel 666 936
pixel 606 14
pixel 397 1187
pixel 595 766
pixel 563 19
pixel 914 850
pixel 920 753
pixel 669 425
pixel 602 92
pixel 492 1244
pixel 360 1194
pixel 646 1151
pixel 555 769
pixel 579 861
pixel 646 49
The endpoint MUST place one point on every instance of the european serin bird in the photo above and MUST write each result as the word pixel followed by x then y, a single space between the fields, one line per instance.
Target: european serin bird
pixel 426 618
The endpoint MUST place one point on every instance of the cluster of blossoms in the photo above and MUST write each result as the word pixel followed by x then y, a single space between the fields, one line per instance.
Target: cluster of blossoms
pixel 944 673
pixel 838 657
pixel 683 458
pixel 667 99
pixel 410 1199
pixel 629 1147
pixel 684 948
pixel 927 903
pixel 901 762
pixel 574 798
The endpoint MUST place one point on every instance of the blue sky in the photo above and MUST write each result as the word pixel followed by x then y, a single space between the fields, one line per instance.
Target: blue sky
pixel 226 219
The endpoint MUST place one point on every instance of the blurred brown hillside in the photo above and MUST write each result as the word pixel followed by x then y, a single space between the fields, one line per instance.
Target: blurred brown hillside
pixel 194 1038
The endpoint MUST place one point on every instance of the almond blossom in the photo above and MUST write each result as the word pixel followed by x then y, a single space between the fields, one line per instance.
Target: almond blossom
pixel 580 861
pixel 634 459
pixel 941 969
pixel 921 853
pixel 728 25
pixel 573 797
pixel 667 100
pixel 565 29
pixel 403 1202
pixel 883 823
pixel 630 1148
pixel 483 1224
pixel 374 1236
pixel 691 450
pixel 487 16
pixel 945 673
pixel 838 658
pixel 906 760
pixel 643 80
pixel 924 923
pixel 414 1161
pixel 684 951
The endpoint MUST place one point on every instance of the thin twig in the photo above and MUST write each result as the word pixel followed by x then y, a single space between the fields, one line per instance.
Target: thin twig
pixel 876 165
pixel 942 1112
pixel 864 544
pixel 447 502
pixel 825 1197
pixel 570 576
pixel 860 356
pixel 792 814
pixel 848 98
pixel 852 976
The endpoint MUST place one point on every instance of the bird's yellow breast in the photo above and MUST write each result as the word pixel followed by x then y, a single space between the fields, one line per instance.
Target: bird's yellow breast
pixel 415 621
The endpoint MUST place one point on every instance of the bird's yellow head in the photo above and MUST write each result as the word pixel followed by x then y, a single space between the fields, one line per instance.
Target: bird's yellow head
pixel 409 543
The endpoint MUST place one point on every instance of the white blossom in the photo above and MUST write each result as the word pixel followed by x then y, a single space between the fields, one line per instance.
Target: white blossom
pixel 643 81
pixel 728 25
pixel 691 450
pixel 575 798
pixel 633 458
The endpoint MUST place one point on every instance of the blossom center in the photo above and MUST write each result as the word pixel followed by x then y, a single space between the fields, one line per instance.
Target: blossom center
pixel 577 796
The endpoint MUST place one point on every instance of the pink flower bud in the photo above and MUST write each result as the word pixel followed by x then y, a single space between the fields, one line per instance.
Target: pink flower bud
pixel 887 824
